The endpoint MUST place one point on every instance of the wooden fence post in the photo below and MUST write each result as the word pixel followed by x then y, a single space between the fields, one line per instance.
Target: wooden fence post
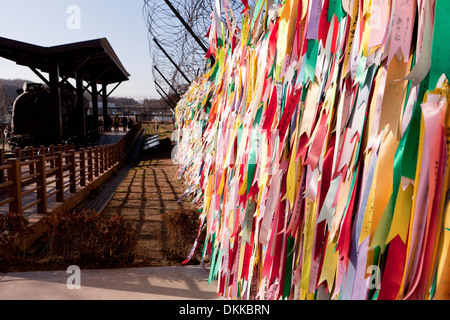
pixel 73 172
pixel 82 167
pixel 106 151
pixel 106 155
pixel 59 173
pixel 102 159
pixel 119 148
pixel 15 190
pixel 96 164
pixel 90 169
pixel 116 153
pixel 109 152
pixel 52 153
pixel 30 151
pixel 41 182
pixel 18 153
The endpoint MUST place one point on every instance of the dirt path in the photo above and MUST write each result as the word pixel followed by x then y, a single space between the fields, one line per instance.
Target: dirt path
pixel 149 191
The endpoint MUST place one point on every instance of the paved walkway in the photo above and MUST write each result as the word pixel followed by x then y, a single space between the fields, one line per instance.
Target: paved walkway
pixel 109 137
pixel 157 283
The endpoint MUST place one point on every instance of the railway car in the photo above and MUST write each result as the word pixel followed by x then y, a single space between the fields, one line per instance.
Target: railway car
pixel 33 123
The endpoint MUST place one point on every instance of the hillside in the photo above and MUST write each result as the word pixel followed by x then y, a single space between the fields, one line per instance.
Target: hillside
pixel 8 89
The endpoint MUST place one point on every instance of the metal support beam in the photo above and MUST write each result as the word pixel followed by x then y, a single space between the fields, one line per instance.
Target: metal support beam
pixel 167 55
pixel 165 100
pixel 95 106
pixel 71 86
pixel 86 88
pixel 103 72
pixel 64 79
pixel 166 81
pixel 40 76
pixel 114 88
pixel 168 97
pixel 80 108
pixel 105 105
pixel 55 93
pixel 188 28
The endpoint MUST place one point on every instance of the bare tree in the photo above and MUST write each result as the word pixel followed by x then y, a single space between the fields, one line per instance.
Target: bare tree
pixel 5 102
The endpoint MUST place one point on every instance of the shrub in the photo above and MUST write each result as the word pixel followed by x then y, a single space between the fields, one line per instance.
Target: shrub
pixel 11 224
pixel 119 240
pixel 85 239
pixel 82 238
pixel 73 235
pixel 181 228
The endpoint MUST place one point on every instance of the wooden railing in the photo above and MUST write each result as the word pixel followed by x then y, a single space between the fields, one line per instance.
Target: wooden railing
pixel 41 173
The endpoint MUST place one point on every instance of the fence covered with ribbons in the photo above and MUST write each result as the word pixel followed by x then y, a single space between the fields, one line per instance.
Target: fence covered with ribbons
pixel 317 150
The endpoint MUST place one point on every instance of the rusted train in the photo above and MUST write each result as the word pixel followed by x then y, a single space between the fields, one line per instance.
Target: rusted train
pixel 32 121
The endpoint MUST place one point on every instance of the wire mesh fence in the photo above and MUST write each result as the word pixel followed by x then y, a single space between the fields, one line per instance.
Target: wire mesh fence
pixel 177 31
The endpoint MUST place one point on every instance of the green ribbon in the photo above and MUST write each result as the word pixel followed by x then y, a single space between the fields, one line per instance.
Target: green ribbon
pixel 252 158
pixel 405 162
pixel 441 46
pixel 311 60
pixel 288 273
pixel 335 8
pixel 256 13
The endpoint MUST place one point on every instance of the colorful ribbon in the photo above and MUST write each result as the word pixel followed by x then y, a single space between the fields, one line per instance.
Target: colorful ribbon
pixel 316 150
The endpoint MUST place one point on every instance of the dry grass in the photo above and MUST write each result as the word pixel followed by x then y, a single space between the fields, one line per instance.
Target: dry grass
pixel 165 129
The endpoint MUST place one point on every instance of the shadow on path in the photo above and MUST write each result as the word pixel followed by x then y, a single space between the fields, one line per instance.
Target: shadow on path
pixel 142 192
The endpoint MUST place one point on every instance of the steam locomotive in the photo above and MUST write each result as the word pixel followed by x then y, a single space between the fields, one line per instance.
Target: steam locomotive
pixel 32 122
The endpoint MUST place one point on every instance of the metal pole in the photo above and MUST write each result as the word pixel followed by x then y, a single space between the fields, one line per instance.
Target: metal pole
pixel 163 91
pixel 55 93
pixel 166 81
pixel 118 84
pixel 176 66
pixel 95 106
pixel 105 106
pixel 188 28
pixel 170 106
pixel 80 107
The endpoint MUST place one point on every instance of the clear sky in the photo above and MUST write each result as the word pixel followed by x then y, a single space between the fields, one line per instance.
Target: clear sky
pixel 50 22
